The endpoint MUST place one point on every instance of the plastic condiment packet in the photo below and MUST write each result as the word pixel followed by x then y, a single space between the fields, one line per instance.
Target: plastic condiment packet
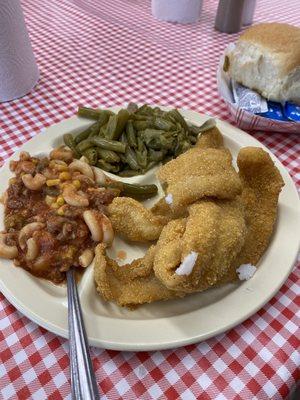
pixel 292 111
pixel 275 111
pixel 248 99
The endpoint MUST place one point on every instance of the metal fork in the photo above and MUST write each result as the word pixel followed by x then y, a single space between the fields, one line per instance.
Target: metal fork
pixel 83 381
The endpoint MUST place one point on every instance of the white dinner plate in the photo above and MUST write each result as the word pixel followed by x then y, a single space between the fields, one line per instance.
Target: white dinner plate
pixel 166 324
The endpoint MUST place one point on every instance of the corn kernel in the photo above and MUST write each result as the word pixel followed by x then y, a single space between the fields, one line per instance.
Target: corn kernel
pixel 69 253
pixel 52 182
pixel 58 165
pixel 54 205
pixel 65 176
pixel 60 211
pixel 49 200
pixel 34 160
pixel 76 183
pixel 60 201
pixel 12 181
pixel 61 167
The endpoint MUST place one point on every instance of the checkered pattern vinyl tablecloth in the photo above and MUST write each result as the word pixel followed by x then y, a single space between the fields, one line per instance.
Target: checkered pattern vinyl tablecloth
pixel 104 52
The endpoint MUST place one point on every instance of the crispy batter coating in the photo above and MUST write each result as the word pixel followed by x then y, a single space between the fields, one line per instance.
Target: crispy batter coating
pixel 210 139
pixel 129 285
pixel 262 184
pixel 161 208
pixel 132 220
pixel 200 173
pixel 214 230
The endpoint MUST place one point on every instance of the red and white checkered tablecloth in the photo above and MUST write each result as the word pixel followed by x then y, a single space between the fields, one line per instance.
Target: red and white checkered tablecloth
pixel 104 52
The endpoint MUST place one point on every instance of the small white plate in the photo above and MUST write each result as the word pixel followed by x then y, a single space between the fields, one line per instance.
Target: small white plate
pixel 159 325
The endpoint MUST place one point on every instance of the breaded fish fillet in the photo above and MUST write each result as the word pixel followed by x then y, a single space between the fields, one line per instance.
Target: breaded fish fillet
pixel 214 231
pixel 200 173
pixel 132 220
pixel 210 139
pixel 129 285
pixel 262 184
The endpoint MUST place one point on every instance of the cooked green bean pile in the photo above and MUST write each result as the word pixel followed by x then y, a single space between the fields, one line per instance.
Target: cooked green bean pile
pixel 132 141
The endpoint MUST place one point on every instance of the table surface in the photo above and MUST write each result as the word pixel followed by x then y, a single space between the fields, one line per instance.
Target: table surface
pixel 105 53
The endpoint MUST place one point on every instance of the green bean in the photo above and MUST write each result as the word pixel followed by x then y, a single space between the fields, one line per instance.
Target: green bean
pixel 141 159
pixel 95 130
pixel 143 125
pixel 104 165
pixel 91 155
pixel 156 156
pixel 169 117
pixel 157 139
pixel 141 153
pixel 158 111
pixel 84 134
pixel 145 109
pixel 135 139
pixel 139 190
pixel 103 118
pixel 152 138
pixel 133 190
pixel 131 158
pixel 102 130
pixel 84 145
pixel 161 123
pixel 196 130
pixel 70 142
pixel 132 107
pixel 141 117
pixel 180 128
pixel 108 144
pixel 108 155
pixel 116 124
pixel 129 173
pixel 123 138
pixel 179 118
pixel 182 147
pixel 91 113
pixel 123 158
pixel 130 135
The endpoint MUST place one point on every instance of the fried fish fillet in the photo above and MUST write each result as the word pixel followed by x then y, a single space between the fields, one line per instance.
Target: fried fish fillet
pixel 199 173
pixel 214 230
pixel 210 139
pixel 129 285
pixel 262 184
pixel 132 220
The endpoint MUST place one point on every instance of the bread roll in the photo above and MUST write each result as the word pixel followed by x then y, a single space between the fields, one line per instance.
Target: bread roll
pixel 266 58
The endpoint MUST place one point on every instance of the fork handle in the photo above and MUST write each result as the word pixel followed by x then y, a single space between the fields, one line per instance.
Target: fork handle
pixel 83 380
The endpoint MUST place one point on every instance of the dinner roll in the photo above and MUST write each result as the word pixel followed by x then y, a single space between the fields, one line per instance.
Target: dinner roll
pixel 266 58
